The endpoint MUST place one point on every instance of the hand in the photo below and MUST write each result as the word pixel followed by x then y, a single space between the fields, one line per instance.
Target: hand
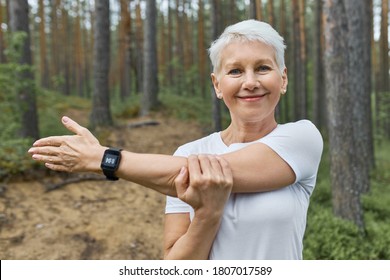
pixel 206 184
pixel 70 153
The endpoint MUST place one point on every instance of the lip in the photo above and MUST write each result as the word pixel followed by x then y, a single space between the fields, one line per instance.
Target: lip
pixel 252 98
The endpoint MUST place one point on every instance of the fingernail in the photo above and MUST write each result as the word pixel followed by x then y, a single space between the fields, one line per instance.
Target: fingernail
pixel 182 170
pixel 65 119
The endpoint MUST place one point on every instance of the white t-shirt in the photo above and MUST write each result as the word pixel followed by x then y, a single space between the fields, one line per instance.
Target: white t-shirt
pixel 264 225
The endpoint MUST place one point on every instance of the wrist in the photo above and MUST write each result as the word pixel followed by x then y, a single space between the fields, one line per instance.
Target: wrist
pixel 208 215
pixel 96 160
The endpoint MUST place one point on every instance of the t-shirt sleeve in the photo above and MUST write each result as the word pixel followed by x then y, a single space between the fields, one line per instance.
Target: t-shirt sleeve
pixel 300 144
pixel 173 204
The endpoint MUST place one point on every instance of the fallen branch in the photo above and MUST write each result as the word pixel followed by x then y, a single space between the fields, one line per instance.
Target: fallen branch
pixel 143 123
pixel 72 180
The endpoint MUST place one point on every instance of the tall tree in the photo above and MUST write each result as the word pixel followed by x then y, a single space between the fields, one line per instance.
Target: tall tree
pixel 2 45
pixel 259 10
pixel 19 23
pixel 216 30
pixel 345 191
pixel 384 49
pixel 44 71
pixel 139 46
pixel 359 91
pixel 319 100
pixel 101 115
pixel 202 50
pixel 124 53
pixel 300 94
pixel 54 38
pixel 383 88
pixel 150 83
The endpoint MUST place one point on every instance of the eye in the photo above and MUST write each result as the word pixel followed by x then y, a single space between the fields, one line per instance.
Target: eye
pixel 264 68
pixel 234 72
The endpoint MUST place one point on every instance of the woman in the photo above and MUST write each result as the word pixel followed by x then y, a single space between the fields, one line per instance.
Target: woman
pixel 243 193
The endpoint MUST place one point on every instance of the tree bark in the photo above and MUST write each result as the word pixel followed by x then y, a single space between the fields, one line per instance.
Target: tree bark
pixel 345 193
pixel 101 115
pixel 319 100
pixel 150 82
pixel 359 91
pixel 19 22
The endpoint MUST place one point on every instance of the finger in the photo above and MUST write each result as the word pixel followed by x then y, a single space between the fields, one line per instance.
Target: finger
pixel 215 165
pixel 226 169
pixel 193 166
pixel 57 167
pixel 181 182
pixel 204 163
pixel 47 159
pixel 73 126
pixel 49 141
pixel 46 150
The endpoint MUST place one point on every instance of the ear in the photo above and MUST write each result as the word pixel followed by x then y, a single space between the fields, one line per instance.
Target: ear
pixel 284 81
pixel 215 82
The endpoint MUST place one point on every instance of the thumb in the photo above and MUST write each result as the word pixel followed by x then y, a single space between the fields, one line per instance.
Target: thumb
pixel 181 182
pixel 73 126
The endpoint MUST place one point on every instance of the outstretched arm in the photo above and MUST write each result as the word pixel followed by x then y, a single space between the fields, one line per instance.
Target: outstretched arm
pixel 255 168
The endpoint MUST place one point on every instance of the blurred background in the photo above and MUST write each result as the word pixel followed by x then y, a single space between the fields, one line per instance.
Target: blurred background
pixel 137 73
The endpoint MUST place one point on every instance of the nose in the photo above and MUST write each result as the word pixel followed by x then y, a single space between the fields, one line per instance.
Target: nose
pixel 251 82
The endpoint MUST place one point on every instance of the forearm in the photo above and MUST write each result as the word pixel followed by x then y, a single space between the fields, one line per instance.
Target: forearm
pixel 196 242
pixel 154 171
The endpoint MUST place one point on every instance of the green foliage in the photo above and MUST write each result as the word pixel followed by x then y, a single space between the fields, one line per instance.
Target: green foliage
pixel 14 158
pixel 328 237
pixel 187 107
pixel 129 108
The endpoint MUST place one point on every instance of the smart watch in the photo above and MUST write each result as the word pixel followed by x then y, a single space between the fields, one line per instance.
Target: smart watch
pixel 110 163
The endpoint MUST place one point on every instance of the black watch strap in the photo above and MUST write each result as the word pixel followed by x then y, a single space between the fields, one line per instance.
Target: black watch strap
pixel 110 163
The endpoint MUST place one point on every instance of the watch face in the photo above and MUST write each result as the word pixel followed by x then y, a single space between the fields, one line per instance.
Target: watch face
pixel 110 160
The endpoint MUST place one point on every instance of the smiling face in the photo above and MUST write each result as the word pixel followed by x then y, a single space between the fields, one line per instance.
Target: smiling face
pixel 249 81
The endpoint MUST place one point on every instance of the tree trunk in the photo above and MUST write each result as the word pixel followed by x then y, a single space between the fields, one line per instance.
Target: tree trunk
pixel 44 71
pixel 359 91
pixel 384 79
pixel 139 46
pixel 150 83
pixel 2 44
pixel 124 52
pixel 19 22
pixel 202 57
pixel 101 115
pixel 319 100
pixel 216 29
pixel 345 194
pixel 300 98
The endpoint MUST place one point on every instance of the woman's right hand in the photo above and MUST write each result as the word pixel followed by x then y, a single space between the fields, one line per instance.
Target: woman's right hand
pixel 206 184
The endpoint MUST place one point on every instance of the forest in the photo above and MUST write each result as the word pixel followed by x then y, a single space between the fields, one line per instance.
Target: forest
pixel 137 73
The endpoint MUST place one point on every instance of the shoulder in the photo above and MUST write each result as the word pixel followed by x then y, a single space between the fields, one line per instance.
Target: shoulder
pixel 300 144
pixel 298 126
pixel 301 132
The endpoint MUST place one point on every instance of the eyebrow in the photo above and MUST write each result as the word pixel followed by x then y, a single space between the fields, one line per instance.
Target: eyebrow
pixel 258 61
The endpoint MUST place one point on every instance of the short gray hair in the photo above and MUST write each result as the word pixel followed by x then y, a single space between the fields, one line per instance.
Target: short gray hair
pixel 244 31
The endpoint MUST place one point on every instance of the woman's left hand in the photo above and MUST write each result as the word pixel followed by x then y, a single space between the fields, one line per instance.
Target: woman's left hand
pixel 71 153
pixel 206 184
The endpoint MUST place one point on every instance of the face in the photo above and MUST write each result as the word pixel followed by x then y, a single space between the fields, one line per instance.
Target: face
pixel 249 81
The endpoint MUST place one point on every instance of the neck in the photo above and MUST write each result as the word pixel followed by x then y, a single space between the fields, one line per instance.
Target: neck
pixel 243 132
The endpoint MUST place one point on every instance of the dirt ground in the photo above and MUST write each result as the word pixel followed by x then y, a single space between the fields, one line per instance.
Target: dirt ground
pixel 91 219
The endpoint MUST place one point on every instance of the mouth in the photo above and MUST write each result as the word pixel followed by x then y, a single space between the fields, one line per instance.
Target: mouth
pixel 252 98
